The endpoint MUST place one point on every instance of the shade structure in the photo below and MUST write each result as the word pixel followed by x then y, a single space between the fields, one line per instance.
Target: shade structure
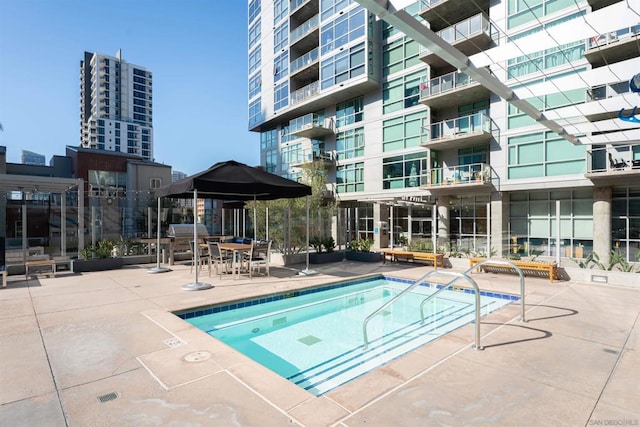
pixel 231 180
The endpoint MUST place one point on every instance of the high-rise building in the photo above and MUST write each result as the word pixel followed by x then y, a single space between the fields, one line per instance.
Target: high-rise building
pixel 487 127
pixel 31 158
pixel 116 104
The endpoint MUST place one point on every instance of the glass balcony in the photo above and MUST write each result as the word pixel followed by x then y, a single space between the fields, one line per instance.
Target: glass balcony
pixel 605 91
pixel 472 174
pixel 303 30
pixel 311 126
pixel 613 47
pixel 304 61
pixel 450 89
pixel 294 4
pixel 314 155
pixel 606 162
pixel 304 93
pixel 461 131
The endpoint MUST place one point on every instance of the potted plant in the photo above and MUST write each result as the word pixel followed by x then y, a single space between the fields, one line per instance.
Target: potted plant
pixel 97 258
pixel 360 250
pixel 324 250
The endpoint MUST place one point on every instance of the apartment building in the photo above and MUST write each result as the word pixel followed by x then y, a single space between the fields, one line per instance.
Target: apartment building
pixel 505 127
pixel 116 104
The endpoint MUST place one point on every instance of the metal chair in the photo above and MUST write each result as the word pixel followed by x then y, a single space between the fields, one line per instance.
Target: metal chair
pixel 259 257
pixel 218 258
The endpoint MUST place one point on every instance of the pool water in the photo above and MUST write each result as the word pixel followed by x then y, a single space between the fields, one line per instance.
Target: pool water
pixel 315 338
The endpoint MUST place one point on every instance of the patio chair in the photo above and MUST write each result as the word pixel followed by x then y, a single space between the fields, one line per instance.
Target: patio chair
pixel 259 257
pixel 202 255
pixel 219 259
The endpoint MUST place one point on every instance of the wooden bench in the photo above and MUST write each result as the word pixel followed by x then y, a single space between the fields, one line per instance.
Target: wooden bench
pixel 396 255
pixel 551 268
pixel 39 263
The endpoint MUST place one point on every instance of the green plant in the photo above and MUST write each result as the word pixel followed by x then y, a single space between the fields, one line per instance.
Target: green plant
pixel 420 245
pixel 329 244
pixel 361 245
pixel 102 249
pixel 316 244
pixel 535 253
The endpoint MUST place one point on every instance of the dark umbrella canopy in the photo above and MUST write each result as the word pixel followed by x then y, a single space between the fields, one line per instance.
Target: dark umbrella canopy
pixel 231 180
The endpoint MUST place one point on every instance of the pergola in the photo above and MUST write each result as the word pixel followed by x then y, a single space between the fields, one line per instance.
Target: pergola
pixel 40 184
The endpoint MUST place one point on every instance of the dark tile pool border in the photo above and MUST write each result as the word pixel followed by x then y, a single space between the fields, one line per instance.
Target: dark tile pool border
pixel 203 311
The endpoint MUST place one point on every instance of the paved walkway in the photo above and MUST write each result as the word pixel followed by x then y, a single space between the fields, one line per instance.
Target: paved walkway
pixel 102 349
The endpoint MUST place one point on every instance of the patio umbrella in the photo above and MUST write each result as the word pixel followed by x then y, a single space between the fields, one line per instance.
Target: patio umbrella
pixel 231 180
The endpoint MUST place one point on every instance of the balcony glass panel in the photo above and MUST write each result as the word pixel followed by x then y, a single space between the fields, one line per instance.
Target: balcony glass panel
pixel 303 29
pixel 305 60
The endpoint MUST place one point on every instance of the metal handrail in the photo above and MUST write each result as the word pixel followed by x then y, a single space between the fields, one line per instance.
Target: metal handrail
pixel 491 261
pixel 459 276
pixel 417 283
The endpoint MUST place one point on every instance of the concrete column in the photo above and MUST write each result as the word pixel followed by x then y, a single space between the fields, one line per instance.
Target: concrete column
pixel 381 214
pixel 443 220
pixel 499 222
pixel 602 223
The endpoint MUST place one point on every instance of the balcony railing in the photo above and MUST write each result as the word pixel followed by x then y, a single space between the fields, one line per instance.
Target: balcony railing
pixel 605 91
pixel 428 3
pixel 612 37
pixel 303 29
pixel 313 155
pixel 305 60
pixel 445 83
pixel 475 173
pixel 305 93
pixel 460 126
pixel 306 121
pixel 294 4
pixel 462 30
pixel 614 159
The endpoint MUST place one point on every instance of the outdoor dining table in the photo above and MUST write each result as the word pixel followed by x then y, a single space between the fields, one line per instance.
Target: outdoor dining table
pixel 235 248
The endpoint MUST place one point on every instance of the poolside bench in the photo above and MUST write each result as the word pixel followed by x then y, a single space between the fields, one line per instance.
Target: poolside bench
pixel 397 255
pixel 39 263
pixel 550 268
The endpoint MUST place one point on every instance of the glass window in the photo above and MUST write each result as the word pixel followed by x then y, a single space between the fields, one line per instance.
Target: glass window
pixel 269 139
pixel 403 171
pixel 255 85
pixel 343 30
pixel 350 143
pixel 280 10
pixel 402 132
pixel 254 9
pixel 254 59
pixel 255 112
pixel 281 37
pixel 281 66
pixel 399 55
pixel 403 92
pixel 349 112
pixel 331 7
pixel 343 66
pixel 254 34
pixel 350 178
pixel 281 96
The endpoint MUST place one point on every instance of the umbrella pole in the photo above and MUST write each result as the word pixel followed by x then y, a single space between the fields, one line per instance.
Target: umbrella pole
pixel 157 268
pixel 306 271
pixel 196 286
pixel 255 218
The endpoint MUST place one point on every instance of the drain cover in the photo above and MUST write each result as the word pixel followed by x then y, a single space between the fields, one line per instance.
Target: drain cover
pixel 107 397
pixel 197 356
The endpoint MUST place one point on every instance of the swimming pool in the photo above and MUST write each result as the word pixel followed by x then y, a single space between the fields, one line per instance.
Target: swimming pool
pixel 314 337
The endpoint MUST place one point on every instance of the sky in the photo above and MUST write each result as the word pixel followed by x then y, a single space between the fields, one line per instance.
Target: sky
pixel 196 50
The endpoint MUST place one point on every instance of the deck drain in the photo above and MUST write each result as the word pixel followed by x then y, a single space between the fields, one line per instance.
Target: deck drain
pixel 108 397
pixel 608 350
pixel 173 342
pixel 197 356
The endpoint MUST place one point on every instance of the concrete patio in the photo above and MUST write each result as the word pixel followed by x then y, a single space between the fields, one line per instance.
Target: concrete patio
pixel 98 349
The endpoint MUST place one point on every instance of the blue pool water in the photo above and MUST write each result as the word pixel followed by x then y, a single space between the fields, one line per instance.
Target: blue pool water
pixel 314 337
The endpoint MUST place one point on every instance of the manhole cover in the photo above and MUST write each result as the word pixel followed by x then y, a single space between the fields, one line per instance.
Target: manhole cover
pixel 197 356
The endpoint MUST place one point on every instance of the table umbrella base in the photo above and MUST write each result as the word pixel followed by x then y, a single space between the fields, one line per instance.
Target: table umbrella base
pixel 307 272
pixel 156 270
pixel 196 286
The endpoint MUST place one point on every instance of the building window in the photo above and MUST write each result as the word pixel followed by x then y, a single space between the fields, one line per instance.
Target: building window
pixel 343 66
pixel 399 55
pixel 344 29
pixel 521 12
pixel 540 154
pixel 254 34
pixel 155 183
pixel 255 112
pixel 331 7
pixel 281 37
pixel 254 9
pixel 280 66
pixel 281 96
pixel 403 92
pixel 350 178
pixel 403 171
pixel 280 10
pixel 255 59
pixel 350 144
pixel 255 85
pixel 291 154
pixel 402 132
pixel 271 161
pixel 351 111
pixel 269 139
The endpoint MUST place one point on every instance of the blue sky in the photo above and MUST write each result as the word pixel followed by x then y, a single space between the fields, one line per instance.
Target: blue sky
pixel 196 50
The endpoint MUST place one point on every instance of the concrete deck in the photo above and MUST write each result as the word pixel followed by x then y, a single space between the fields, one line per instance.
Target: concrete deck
pixel 69 340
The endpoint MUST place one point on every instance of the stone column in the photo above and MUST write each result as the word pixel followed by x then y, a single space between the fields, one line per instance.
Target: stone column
pixel 443 220
pixel 602 223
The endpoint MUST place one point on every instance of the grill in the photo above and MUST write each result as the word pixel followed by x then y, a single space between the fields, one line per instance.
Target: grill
pixel 182 234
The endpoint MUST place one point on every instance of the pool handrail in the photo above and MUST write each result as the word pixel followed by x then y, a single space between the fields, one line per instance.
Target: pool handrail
pixel 419 282
pixel 491 261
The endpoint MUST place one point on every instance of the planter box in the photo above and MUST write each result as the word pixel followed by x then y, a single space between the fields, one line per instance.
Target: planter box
pixel 364 256
pixel 83 266
pixel 324 257
pixel 139 259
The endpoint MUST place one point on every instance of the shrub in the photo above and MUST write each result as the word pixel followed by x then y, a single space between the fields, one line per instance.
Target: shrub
pixel 329 244
pixel 361 245
pixel 102 249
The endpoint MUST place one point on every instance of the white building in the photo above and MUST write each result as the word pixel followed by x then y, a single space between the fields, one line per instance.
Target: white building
pixel 116 104
pixel 478 125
